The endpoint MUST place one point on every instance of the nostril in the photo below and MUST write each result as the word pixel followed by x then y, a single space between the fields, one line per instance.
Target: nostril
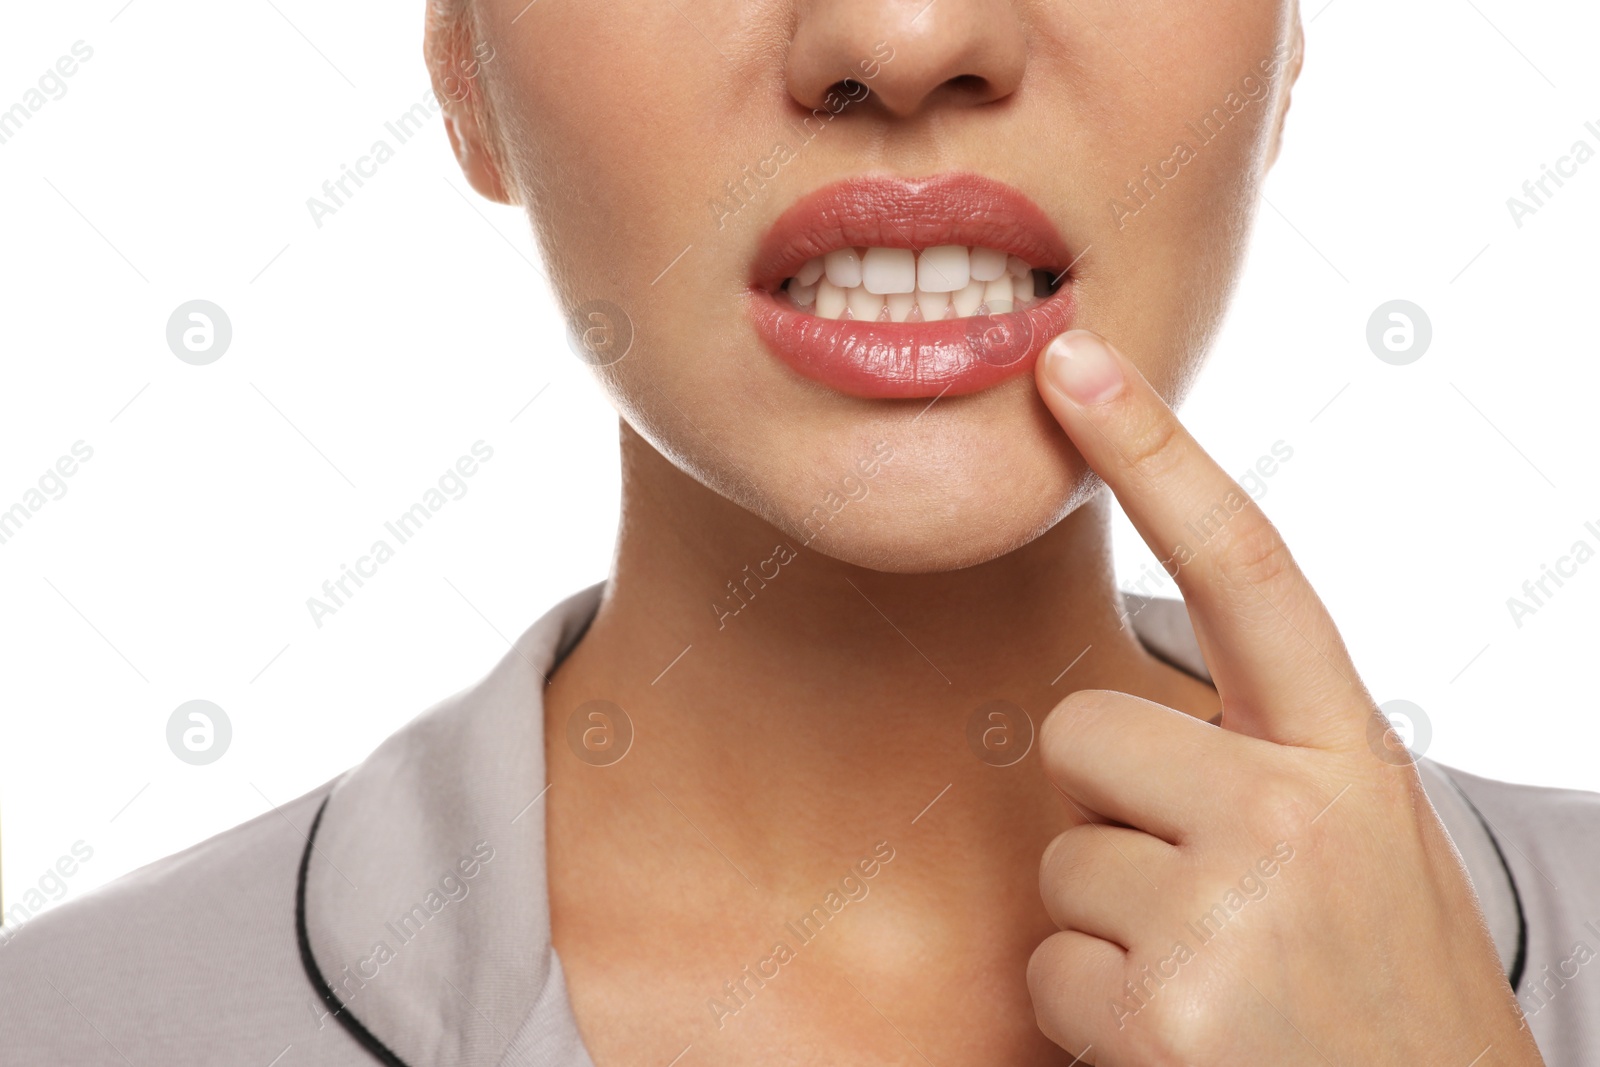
pixel 972 86
pixel 848 88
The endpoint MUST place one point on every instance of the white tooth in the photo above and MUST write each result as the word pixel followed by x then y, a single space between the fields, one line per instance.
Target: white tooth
pixel 900 305
pixel 843 267
pixel 804 295
pixel 864 306
pixel 1026 287
pixel 966 300
pixel 988 264
pixel 1015 266
pixel 810 272
pixel 1000 295
pixel 889 270
pixel 932 305
pixel 830 299
pixel 943 269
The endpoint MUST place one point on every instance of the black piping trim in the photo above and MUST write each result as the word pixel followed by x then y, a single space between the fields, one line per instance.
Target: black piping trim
pixel 366 1038
pixel 1215 720
pixel 1519 963
pixel 1182 668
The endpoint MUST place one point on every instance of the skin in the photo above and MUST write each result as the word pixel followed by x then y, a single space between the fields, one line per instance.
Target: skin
pixel 831 713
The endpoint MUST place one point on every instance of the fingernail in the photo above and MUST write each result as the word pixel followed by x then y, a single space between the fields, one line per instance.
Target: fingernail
pixel 1080 365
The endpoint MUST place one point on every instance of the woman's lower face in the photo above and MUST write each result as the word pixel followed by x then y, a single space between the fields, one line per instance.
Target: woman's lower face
pixel 816 230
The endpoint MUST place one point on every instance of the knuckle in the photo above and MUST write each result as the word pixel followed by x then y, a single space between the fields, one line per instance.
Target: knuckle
pixel 1045 968
pixel 1049 973
pixel 1398 788
pixel 1280 809
pixel 1064 868
pixel 1155 448
pixel 1181 1031
pixel 1258 553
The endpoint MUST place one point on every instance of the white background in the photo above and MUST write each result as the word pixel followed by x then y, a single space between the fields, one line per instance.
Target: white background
pixel 370 353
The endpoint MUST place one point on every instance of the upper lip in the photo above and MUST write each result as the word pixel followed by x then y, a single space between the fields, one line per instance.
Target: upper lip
pixel 891 212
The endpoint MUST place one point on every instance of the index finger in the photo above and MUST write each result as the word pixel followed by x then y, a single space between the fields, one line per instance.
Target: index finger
pixel 1274 653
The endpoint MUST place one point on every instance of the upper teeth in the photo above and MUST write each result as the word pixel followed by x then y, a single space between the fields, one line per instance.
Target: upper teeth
pixel 897 284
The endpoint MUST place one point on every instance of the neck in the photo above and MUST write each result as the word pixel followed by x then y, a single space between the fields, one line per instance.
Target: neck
pixel 797 708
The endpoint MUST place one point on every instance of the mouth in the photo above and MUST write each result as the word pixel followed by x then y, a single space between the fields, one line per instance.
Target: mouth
pixel 884 287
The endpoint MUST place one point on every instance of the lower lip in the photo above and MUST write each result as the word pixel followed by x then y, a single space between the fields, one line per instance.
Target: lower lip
pixel 887 360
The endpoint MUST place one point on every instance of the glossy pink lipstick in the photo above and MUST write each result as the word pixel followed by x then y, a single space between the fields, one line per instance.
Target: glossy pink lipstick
pixel 961 350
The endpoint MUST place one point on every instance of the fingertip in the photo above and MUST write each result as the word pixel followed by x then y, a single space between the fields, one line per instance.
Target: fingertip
pixel 1044 860
pixel 1081 366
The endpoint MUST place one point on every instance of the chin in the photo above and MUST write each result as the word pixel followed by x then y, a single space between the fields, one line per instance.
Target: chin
pixel 927 512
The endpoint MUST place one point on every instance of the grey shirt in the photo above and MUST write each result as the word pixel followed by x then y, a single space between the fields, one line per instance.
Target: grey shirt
pixel 399 914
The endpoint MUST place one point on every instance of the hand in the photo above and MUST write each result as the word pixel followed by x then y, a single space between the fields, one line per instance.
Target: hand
pixel 1266 892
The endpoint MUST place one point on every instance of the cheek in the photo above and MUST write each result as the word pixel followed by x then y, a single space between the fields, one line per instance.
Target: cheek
pixel 619 174
pixel 1170 197
pixel 615 126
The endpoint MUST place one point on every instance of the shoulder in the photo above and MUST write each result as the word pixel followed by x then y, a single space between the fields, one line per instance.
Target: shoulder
pixel 1560 827
pixel 224 953
pixel 190 960
pixel 1549 843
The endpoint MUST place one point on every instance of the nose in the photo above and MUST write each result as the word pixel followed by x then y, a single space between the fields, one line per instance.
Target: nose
pixel 941 53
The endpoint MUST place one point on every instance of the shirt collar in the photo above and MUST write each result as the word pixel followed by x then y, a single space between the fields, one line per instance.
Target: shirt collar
pixel 423 907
